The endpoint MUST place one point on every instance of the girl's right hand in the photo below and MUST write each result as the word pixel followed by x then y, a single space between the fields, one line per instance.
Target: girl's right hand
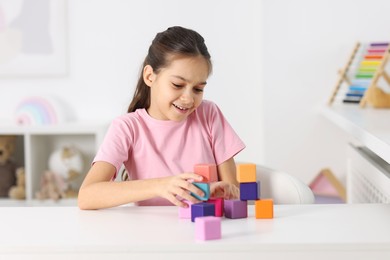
pixel 180 185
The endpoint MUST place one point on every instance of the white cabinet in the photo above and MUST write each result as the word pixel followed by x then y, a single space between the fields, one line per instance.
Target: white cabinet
pixel 35 144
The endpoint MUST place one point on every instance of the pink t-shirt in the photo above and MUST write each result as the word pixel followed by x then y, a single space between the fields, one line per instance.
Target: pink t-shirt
pixel 151 148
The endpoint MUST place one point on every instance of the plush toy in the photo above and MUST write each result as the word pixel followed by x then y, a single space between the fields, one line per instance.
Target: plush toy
pixel 65 166
pixel 19 190
pixel 52 187
pixel 7 165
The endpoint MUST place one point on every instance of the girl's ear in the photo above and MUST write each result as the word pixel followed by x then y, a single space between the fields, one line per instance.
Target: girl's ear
pixel 148 75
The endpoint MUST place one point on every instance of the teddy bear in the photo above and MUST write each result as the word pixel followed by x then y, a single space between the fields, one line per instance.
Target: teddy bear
pixel 19 190
pixel 7 165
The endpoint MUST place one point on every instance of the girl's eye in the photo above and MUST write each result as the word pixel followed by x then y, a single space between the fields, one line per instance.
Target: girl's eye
pixel 198 90
pixel 177 85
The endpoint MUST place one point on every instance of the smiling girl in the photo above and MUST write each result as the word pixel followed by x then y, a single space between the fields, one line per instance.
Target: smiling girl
pixel 168 129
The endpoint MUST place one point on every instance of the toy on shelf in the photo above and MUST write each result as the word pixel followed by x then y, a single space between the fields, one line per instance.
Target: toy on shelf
pixel 18 191
pixel 358 80
pixel 7 165
pixel 65 166
pixel 36 110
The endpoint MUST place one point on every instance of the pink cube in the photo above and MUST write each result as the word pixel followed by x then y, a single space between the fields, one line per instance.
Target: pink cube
pixel 185 212
pixel 218 202
pixel 208 228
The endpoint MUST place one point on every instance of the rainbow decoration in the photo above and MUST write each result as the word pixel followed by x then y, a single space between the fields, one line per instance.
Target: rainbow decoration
pixel 36 111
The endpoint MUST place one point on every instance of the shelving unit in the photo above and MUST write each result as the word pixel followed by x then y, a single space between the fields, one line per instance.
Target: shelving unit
pixel 34 145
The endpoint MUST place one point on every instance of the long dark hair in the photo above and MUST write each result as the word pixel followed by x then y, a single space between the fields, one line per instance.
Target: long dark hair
pixel 173 41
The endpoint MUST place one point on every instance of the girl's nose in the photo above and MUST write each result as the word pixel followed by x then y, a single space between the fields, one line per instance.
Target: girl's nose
pixel 187 97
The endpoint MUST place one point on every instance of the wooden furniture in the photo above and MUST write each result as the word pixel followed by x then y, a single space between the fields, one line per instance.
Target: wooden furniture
pixel 360 76
pixel 310 231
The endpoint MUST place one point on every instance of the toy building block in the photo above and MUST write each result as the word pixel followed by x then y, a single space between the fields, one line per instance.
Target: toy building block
pixel 264 209
pixel 207 228
pixel 326 187
pixel 185 212
pixel 236 209
pixel 208 171
pixel 218 203
pixel 202 210
pixel 250 191
pixel 246 172
pixel 205 187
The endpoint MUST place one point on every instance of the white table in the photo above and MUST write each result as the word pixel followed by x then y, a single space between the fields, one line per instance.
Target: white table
pixel 331 232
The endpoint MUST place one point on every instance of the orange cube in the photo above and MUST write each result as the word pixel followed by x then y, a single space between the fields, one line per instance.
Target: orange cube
pixel 264 209
pixel 246 172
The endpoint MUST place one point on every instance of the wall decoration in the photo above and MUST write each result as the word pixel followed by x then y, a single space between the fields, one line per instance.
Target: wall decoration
pixel 33 38
pixel 36 110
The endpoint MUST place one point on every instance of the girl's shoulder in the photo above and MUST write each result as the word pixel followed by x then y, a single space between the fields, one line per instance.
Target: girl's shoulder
pixel 129 119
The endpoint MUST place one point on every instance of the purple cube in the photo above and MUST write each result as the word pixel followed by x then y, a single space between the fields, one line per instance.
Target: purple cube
pixel 236 209
pixel 250 190
pixel 201 210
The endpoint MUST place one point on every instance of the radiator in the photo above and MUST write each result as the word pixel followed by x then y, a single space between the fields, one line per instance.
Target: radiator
pixel 368 177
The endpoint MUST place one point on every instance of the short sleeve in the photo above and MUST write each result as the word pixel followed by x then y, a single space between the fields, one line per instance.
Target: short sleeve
pixel 117 144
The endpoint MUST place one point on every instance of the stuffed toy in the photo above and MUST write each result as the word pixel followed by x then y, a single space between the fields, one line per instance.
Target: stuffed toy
pixel 19 190
pixel 52 187
pixel 7 165
pixel 65 166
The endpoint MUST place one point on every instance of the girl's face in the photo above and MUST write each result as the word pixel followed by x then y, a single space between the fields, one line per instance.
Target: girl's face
pixel 177 90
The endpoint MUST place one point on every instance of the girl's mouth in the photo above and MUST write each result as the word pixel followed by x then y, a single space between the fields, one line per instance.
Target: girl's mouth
pixel 184 109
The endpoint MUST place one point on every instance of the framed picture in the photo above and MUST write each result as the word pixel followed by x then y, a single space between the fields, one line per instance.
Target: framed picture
pixel 33 38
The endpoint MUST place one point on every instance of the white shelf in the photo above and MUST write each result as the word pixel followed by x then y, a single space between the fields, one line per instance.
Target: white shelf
pixel 371 127
pixel 35 144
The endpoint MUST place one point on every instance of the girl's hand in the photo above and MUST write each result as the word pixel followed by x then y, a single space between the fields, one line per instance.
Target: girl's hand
pixel 224 190
pixel 180 185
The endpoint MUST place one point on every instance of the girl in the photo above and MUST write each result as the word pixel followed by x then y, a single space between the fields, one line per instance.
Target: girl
pixel 168 129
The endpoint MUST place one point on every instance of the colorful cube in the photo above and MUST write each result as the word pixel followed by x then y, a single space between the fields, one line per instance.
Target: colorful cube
pixel 205 187
pixel 202 209
pixel 208 171
pixel 208 228
pixel 246 172
pixel 185 212
pixel 218 203
pixel 236 209
pixel 264 209
pixel 250 191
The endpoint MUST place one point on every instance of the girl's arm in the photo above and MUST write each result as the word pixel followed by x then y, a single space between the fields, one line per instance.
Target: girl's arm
pixel 227 187
pixel 98 191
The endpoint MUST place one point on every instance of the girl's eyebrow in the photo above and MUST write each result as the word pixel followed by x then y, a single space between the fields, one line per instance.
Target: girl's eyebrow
pixel 180 77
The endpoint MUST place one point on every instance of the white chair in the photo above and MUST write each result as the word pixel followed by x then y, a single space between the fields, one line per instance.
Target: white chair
pixel 282 187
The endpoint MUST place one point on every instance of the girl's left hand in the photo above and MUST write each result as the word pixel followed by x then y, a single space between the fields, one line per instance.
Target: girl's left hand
pixel 224 190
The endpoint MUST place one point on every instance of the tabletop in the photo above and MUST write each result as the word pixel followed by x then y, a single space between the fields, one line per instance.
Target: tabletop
pixel 354 231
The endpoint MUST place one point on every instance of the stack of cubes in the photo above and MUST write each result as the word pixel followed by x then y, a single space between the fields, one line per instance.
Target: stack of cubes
pixel 206 214
pixel 250 190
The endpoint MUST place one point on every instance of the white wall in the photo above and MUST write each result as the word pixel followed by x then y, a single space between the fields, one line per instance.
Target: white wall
pixel 108 40
pixel 275 62
pixel 305 43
